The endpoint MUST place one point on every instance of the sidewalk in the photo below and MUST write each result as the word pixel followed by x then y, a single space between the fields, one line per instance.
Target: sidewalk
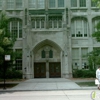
pixel 50 84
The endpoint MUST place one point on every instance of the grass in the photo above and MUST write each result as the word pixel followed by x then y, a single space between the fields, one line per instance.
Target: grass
pixel 10 85
pixel 86 83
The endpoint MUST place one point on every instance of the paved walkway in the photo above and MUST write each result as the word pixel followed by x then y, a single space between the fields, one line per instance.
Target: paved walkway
pixel 46 84
pixel 49 84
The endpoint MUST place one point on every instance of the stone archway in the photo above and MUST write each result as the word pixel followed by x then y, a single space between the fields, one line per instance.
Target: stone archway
pixel 47 60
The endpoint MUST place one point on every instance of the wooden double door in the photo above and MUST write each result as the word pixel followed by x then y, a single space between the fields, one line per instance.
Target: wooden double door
pixel 54 70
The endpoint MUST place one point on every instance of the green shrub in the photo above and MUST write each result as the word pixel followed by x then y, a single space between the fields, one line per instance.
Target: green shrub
pixel 13 74
pixel 84 74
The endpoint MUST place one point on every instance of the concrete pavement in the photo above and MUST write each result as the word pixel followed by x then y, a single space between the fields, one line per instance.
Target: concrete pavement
pixel 48 84
pixel 51 95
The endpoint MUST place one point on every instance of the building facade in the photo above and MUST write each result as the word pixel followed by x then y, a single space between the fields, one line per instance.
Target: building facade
pixel 53 35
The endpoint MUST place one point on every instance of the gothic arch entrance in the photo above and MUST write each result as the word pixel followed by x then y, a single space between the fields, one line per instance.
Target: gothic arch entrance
pixel 47 60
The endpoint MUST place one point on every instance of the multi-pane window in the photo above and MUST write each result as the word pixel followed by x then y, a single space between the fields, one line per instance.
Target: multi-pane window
pixel 73 3
pixel 82 3
pixel 1 1
pixel 60 3
pixel 18 3
pixel 46 54
pixel 38 22
pixel 56 3
pixel 75 53
pixel 36 3
pixel 55 22
pixel 32 3
pixel 84 52
pixel 41 3
pixel 79 27
pixel 52 3
pixel 18 61
pixel 78 3
pixel 95 21
pixel 10 4
pixel 15 27
pixel 93 4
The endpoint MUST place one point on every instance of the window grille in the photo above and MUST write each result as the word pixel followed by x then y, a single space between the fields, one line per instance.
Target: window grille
pixel 15 28
pixel 52 3
pixel 10 4
pixel 73 3
pixel 79 27
pixel 41 3
pixel 60 3
pixel 32 3
pixel 82 3
pixel 18 3
pixel 1 4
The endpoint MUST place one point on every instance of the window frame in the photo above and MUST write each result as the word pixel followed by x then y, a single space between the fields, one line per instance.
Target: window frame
pixel 56 5
pixel 17 28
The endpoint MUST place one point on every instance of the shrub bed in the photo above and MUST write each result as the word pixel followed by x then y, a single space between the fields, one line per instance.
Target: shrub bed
pixel 84 74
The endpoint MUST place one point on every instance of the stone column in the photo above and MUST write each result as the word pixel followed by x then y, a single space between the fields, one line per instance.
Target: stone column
pixel 47 69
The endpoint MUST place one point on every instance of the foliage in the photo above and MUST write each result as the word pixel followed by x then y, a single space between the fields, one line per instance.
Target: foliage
pixel 6 43
pixel 97 2
pixel 93 58
pixel 84 74
pixel 12 74
pixel 97 33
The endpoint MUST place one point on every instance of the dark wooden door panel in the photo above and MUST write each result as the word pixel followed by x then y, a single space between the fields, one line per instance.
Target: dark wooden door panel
pixel 39 70
pixel 54 70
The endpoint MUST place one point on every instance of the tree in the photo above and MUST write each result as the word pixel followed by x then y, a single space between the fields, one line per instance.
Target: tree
pixel 6 42
pixel 97 2
pixel 93 58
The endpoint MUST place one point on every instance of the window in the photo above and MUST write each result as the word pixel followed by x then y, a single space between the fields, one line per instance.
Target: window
pixel 55 22
pixel 52 3
pixel 1 4
pixel 75 53
pixel 10 4
pixel 32 3
pixel 93 4
pixel 82 3
pixel 38 22
pixel 84 52
pixel 50 54
pixel 73 3
pixel 43 54
pixel 56 3
pixel 18 3
pixel 41 3
pixel 15 27
pixel 95 21
pixel 60 3
pixel 18 61
pixel 79 27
